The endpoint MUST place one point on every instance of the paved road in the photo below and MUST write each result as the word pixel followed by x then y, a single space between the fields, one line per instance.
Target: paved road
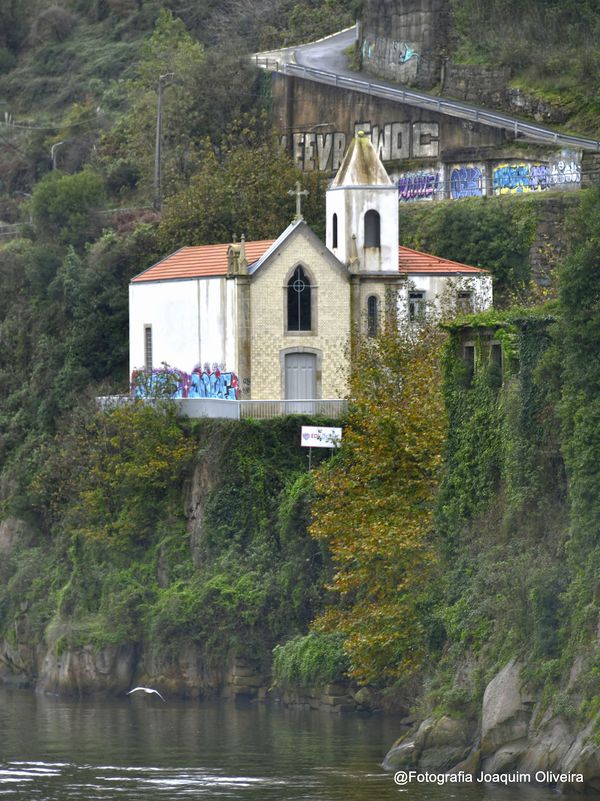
pixel 326 62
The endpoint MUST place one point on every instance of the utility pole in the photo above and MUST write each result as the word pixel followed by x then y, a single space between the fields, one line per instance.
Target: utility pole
pixel 157 192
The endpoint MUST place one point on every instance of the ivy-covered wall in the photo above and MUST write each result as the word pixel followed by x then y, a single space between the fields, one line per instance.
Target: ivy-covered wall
pixel 501 513
pixel 156 533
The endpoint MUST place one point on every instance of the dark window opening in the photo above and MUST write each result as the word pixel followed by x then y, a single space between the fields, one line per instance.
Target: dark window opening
pixel 372 315
pixel 496 355
pixel 465 302
pixel 334 231
pixel 495 365
pixel 416 305
pixel 372 229
pixel 148 347
pixel 299 301
pixel 469 360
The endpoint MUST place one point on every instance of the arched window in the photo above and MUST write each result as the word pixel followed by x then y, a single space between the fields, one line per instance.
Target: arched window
pixel 334 232
pixel 372 315
pixel 299 301
pixel 372 229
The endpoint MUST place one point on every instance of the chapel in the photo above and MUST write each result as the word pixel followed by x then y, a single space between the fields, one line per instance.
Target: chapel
pixel 272 319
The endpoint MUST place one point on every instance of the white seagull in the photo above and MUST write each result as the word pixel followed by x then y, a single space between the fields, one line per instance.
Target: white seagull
pixel 148 690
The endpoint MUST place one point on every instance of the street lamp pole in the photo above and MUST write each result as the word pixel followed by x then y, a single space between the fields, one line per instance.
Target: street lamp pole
pixel 53 150
pixel 157 145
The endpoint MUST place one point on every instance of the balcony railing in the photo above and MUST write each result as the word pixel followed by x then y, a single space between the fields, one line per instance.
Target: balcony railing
pixel 264 409
pixel 237 409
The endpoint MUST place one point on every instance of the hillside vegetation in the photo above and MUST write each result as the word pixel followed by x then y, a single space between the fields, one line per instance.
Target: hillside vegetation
pixel 551 48
pixel 472 495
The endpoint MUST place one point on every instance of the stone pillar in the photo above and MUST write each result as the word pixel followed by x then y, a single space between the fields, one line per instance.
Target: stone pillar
pixel 243 336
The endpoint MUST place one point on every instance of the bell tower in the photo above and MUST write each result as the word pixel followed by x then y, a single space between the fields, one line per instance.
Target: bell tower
pixel 362 211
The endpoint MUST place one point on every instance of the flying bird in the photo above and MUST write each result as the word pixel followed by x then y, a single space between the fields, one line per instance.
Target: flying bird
pixel 148 690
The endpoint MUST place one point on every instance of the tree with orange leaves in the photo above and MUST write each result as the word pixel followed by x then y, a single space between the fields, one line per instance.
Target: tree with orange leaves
pixel 375 502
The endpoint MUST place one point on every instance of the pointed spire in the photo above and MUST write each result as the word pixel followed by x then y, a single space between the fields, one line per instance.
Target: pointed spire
pixel 361 165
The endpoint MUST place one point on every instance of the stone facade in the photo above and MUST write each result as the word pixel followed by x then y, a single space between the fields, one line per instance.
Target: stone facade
pixel 328 339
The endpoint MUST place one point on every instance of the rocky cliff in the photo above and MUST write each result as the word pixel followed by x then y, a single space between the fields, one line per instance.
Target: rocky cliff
pixel 516 733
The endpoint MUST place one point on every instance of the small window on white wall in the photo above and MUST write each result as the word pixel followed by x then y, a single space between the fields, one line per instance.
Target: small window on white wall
pixel 464 302
pixel 372 315
pixel 148 347
pixel 334 231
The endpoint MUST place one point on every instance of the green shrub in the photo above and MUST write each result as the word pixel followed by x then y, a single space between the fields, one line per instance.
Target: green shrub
pixel 313 660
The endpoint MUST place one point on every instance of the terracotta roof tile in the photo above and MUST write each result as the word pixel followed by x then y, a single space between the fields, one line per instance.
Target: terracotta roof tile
pixel 199 261
pixel 413 261
pixel 208 260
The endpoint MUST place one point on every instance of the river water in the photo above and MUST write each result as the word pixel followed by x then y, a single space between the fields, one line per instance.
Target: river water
pixel 140 749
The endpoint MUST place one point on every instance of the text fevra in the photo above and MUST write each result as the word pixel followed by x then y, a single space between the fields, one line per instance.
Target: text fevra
pixel 393 141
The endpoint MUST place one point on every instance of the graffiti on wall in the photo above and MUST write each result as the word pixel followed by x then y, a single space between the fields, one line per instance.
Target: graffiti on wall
pixel 565 172
pixel 393 141
pixel 168 382
pixel 405 52
pixel 419 185
pixel 466 180
pixel 401 52
pixel 511 179
pixel 367 49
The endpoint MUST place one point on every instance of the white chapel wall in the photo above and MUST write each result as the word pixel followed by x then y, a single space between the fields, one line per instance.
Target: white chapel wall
pixel 193 322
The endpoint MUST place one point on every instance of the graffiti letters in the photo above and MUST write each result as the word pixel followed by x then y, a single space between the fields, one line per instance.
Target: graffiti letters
pixel 565 172
pixel 169 382
pixel 417 185
pixel 406 52
pixel 466 181
pixel 516 178
pixel 393 141
pixel 399 52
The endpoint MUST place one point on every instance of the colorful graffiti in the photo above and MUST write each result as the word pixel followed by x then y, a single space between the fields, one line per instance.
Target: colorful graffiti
pixel 417 185
pixel 169 382
pixel 517 178
pixel 402 51
pixel 466 181
pixel 406 52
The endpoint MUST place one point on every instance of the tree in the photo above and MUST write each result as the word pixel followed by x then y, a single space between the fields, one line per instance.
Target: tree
pixel 169 51
pixel 375 502
pixel 64 207
pixel 244 193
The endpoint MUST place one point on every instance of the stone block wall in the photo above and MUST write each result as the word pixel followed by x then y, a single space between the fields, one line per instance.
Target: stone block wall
pixel 405 40
pixel 331 320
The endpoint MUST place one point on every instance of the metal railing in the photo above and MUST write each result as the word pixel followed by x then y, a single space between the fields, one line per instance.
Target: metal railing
pixel 237 409
pixel 439 104
pixel 266 409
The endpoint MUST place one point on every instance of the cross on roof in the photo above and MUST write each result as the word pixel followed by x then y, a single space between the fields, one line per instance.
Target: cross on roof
pixel 298 191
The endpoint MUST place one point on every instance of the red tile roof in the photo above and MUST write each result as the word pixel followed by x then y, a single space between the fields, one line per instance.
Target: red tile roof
pixel 202 260
pixel 413 261
pixel 207 260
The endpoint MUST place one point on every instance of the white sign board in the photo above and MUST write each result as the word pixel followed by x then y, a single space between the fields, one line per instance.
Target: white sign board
pixel 320 437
